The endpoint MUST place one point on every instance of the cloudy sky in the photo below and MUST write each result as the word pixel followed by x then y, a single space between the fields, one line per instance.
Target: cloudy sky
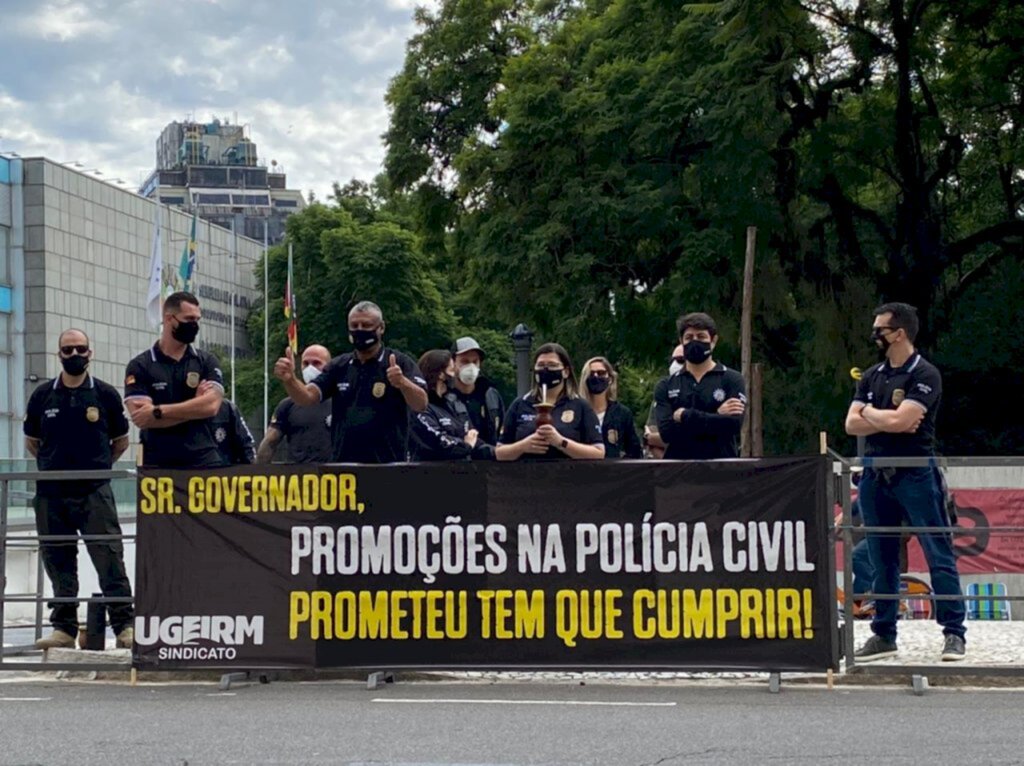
pixel 95 81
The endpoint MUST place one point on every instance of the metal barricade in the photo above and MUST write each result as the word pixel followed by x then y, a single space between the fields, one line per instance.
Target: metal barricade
pixel 844 533
pixel 9 541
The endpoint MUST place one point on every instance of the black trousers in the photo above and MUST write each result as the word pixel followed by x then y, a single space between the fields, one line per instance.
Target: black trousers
pixel 88 513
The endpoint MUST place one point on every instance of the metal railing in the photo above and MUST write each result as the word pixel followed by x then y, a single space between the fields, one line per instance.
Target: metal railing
pixel 34 542
pixel 844 532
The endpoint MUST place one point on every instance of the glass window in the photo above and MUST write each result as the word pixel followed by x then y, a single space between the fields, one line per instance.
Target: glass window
pixel 5 343
pixel 6 300
pixel 4 255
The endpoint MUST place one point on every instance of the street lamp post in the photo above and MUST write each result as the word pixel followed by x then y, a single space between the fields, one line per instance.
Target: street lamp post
pixel 522 343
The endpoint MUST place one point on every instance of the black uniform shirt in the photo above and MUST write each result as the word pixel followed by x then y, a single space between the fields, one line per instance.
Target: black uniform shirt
pixel 618 431
pixel 438 433
pixel 232 435
pixel 369 416
pixel 308 430
pixel 74 427
pixel 885 388
pixel 573 418
pixel 154 375
pixel 702 434
pixel 485 408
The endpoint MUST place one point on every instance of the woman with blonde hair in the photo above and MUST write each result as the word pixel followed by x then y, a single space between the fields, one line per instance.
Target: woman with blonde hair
pixel 601 390
pixel 573 430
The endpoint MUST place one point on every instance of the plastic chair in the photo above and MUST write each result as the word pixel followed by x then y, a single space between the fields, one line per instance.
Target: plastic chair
pixel 987 608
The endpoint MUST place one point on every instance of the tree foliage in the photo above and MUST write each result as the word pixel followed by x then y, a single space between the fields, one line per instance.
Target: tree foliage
pixel 590 168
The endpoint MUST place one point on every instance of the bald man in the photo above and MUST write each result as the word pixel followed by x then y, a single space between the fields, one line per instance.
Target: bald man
pixel 308 429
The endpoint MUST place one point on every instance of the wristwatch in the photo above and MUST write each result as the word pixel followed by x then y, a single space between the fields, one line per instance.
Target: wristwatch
pixel 157 413
pixel 564 444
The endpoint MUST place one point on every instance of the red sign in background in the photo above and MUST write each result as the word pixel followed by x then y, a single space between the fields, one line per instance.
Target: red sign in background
pixel 984 552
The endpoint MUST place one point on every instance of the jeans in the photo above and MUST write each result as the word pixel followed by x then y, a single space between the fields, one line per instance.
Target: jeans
pixel 913 493
pixel 91 513
pixel 863 572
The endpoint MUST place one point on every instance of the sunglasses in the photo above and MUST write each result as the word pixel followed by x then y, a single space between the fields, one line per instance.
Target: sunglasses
pixel 69 350
pixel 679 359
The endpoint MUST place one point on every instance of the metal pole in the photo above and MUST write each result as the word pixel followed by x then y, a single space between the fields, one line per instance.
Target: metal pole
pixel 3 556
pixel 234 261
pixel 746 325
pixel 266 327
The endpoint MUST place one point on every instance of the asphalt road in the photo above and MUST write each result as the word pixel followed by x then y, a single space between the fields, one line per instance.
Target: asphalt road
pixel 429 724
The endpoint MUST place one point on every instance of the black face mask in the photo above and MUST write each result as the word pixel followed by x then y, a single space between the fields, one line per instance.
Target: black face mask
pixel 185 332
pixel 697 351
pixel 449 381
pixel 879 339
pixel 363 340
pixel 74 365
pixel 549 378
pixel 597 385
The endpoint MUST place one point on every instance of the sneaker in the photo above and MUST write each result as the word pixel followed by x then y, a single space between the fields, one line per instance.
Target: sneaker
pixel 875 648
pixel 954 649
pixel 125 639
pixel 56 640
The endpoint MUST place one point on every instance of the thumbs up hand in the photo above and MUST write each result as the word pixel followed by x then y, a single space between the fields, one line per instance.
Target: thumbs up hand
pixel 395 375
pixel 284 368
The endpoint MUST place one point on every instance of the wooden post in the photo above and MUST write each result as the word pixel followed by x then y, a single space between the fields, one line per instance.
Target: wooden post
pixel 746 324
pixel 823 443
pixel 756 412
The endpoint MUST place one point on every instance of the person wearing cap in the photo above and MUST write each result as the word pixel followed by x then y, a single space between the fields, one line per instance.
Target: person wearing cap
pixel 475 392
pixel 654 447
pixel 76 422
pixel 439 432
pixel 372 390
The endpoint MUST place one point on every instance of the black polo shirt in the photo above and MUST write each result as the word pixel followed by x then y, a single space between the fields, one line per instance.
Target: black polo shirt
pixel 573 418
pixel 75 427
pixel 885 388
pixel 308 430
pixel 369 416
pixel 618 431
pixel 485 408
pixel 156 376
pixel 702 434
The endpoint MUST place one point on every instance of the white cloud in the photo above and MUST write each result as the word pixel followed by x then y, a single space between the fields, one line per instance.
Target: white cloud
pixel 309 84
pixel 63 21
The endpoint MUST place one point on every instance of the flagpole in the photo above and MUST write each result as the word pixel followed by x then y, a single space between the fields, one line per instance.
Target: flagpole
pixel 266 327
pixel 234 260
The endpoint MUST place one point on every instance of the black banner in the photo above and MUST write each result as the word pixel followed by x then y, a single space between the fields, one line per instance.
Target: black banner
pixel 604 565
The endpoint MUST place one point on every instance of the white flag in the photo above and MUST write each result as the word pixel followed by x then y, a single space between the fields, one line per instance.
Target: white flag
pixel 154 298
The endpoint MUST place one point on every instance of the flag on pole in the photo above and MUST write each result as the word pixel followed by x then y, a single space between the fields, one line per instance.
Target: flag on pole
pixel 154 297
pixel 290 310
pixel 188 258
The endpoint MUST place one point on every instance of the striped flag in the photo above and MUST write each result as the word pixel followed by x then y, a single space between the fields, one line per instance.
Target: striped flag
pixel 188 259
pixel 290 310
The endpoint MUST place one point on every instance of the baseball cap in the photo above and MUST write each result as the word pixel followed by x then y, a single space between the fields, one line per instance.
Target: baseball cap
pixel 462 345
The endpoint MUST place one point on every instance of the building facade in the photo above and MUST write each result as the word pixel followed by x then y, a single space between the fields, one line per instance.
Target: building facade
pixel 212 169
pixel 75 252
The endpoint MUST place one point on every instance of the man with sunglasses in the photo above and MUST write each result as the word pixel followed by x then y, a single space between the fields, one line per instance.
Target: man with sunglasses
pixel 654 447
pixel 173 390
pixel 372 391
pixel 895 409
pixel 76 422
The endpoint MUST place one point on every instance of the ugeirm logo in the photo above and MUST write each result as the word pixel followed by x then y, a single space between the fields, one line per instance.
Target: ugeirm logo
pixel 189 630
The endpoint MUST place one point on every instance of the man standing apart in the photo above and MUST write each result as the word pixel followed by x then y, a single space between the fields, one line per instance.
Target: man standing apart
pixel 476 392
pixel 173 390
pixel 76 423
pixel 895 409
pixel 372 389
pixel 699 410
pixel 308 429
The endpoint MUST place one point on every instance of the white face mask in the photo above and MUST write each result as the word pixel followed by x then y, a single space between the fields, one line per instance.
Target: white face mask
pixel 310 373
pixel 469 374
pixel 674 367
